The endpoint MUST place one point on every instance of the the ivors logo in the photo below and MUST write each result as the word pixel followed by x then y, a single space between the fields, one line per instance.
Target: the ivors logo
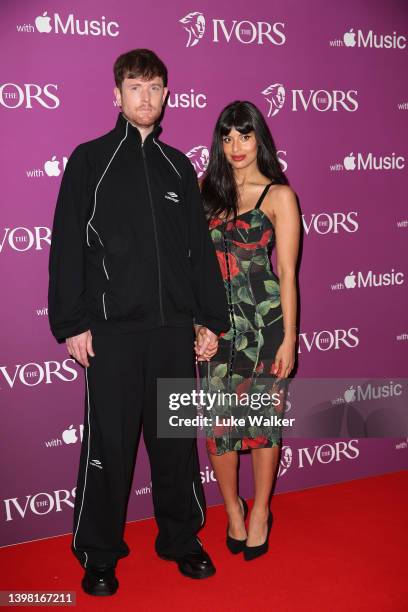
pixel 320 100
pixel 327 340
pixel 29 95
pixel 24 238
pixel 245 31
pixel 330 223
pixel 326 453
pixel 33 374
pixel 40 504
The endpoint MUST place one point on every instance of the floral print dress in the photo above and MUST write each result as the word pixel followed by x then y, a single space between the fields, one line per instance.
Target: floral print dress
pixel 243 365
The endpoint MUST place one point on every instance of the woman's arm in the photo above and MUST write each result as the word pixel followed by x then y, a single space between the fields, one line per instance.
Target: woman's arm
pixel 281 206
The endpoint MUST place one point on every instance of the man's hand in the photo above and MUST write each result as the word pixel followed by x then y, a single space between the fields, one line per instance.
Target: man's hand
pixel 79 347
pixel 206 344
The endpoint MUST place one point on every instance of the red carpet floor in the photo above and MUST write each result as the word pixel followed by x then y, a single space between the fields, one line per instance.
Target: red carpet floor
pixel 338 547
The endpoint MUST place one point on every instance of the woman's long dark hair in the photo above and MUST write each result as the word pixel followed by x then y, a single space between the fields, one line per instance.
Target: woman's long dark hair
pixel 219 189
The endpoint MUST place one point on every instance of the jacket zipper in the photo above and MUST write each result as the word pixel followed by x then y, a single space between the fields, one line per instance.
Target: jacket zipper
pixel 155 234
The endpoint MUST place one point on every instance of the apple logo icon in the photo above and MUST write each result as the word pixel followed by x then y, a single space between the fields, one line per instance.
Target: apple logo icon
pixel 69 435
pixel 42 23
pixel 350 280
pixel 349 38
pixel 51 167
pixel 350 394
pixel 350 162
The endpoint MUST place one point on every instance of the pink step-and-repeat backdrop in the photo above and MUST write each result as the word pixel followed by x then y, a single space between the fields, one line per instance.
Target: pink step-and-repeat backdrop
pixel 331 81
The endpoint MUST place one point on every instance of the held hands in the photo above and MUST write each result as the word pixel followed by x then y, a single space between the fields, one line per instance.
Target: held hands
pixel 79 347
pixel 206 343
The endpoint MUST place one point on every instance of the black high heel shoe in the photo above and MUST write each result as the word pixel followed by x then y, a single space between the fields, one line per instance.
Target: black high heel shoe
pixel 233 545
pixel 252 552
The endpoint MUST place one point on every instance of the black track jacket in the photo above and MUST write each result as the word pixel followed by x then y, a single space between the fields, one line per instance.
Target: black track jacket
pixel 131 248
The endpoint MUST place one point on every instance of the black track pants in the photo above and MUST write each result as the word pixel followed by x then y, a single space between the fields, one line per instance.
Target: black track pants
pixel 120 396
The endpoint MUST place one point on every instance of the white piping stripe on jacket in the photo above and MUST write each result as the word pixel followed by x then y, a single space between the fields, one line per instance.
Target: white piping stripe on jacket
pixel 202 513
pixel 170 162
pixel 104 267
pixel 99 182
pixel 86 469
pixel 99 238
pixel 104 307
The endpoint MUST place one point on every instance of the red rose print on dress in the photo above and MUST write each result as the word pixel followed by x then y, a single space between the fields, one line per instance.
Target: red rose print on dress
pixel 248 443
pixel 232 265
pixel 239 224
pixel 214 223
pixel 243 387
pixel 266 236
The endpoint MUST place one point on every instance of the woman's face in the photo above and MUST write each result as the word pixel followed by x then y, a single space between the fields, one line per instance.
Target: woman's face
pixel 240 149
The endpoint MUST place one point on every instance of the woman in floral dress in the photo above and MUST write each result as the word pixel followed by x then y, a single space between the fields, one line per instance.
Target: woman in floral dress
pixel 250 209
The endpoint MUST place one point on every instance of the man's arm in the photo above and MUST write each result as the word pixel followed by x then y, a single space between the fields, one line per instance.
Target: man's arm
pixel 66 292
pixel 208 286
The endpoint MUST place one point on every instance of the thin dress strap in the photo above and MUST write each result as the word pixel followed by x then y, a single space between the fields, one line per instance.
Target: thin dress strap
pixel 263 194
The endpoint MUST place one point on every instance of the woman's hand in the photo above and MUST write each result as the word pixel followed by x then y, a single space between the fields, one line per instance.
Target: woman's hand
pixel 206 343
pixel 285 358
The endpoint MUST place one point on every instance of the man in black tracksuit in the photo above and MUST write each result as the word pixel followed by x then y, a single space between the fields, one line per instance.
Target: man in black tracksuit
pixel 132 272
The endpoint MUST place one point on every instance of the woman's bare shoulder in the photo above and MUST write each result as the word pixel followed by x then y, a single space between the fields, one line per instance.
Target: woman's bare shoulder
pixel 281 194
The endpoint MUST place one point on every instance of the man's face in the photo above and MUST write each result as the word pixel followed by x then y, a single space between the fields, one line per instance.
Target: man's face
pixel 141 100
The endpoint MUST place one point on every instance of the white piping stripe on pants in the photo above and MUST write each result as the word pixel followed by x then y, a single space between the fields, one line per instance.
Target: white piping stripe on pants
pixel 104 307
pixel 201 510
pixel 99 182
pixel 86 469
pixel 170 162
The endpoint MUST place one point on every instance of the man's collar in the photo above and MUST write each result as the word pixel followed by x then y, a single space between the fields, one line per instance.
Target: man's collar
pixel 124 126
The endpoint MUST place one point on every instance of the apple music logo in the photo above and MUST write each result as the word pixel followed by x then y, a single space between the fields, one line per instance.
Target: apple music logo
pixel 45 24
pixel 51 168
pixel 360 393
pixel 69 436
pixel 371 279
pixel 370 40
pixel 373 40
pixel 369 161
